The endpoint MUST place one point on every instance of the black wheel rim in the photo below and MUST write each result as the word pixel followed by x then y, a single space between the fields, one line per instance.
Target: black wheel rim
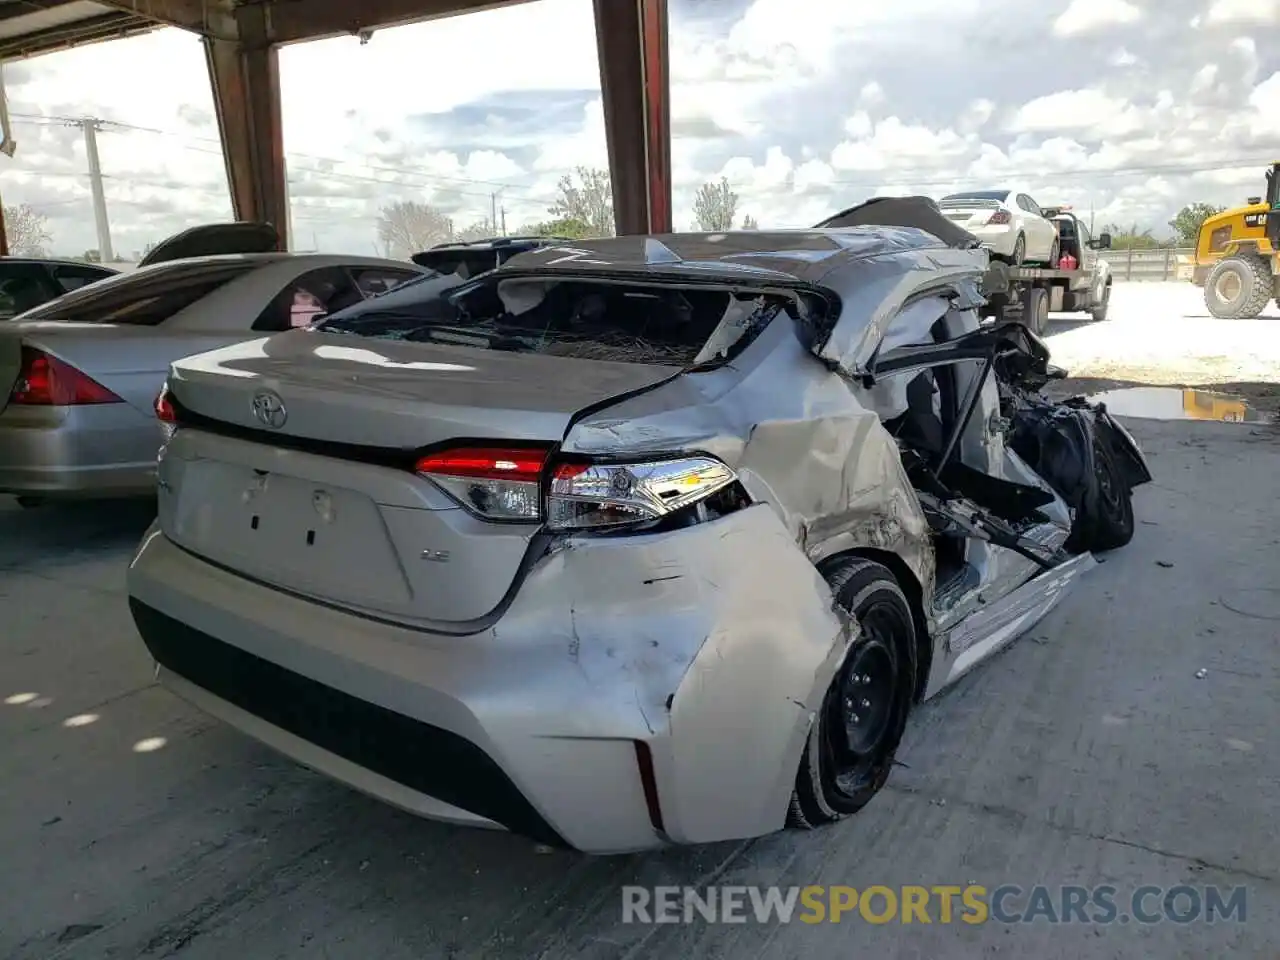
pixel 863 705
pixel 1109 493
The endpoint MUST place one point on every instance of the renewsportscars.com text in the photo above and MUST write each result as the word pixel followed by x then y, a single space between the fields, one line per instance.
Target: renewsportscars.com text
pixel 944 904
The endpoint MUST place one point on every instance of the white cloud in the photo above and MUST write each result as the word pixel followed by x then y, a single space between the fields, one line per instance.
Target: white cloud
pixel 976 116
pixel 1205 78
pixel 1089 16
pixel 1089 110
pixel 1122 58
pixel 871 94
pixel 1243 11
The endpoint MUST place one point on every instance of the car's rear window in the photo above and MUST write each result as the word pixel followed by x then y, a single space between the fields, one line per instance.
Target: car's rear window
pixel 146 298
pixel 587 319
pixel 978 195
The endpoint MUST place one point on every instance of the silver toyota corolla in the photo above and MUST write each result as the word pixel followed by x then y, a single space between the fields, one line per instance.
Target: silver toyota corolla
pixel 629 542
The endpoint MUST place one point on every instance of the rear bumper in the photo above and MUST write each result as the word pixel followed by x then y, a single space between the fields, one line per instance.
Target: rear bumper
pixel 76 452
pixel 999 240
pixel 532 725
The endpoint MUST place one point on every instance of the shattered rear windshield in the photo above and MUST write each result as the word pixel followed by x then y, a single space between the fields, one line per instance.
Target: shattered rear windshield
pixel 584 319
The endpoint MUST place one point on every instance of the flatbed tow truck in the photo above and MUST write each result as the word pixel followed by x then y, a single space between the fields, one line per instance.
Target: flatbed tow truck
pixel 1030 294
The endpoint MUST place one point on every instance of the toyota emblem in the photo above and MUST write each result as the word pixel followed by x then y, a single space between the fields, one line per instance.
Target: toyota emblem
pixel 268 409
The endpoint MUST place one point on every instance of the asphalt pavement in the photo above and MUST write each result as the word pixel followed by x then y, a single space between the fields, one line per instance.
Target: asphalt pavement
pixel 1129 741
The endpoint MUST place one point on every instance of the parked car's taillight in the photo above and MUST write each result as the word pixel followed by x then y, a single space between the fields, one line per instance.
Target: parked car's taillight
pixel 588 495
pixel 46 381
pixel 496 483
pixel 999 217
pixel 165 412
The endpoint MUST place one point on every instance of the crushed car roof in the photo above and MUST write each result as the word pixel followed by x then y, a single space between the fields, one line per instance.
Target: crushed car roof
pixel 762 255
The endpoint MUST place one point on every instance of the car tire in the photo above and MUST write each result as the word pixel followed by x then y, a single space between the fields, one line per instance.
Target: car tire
pixel 1099 311
pixel 1239 287
pixel 1055 253
pixel 1019 255
pixel 1036 311
pixel 856 730
pixel 1104 518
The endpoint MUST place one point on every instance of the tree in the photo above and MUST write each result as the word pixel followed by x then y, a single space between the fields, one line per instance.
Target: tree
pixel 407 226
pixel 568 227
pixel 1131 238
pixel 749 223
pixel 1186 224
pixel 480 230
pixel 714 207
pixel 586 196
pixel 27 230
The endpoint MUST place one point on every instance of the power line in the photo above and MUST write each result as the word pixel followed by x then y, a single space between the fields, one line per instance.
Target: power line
pixel 47 120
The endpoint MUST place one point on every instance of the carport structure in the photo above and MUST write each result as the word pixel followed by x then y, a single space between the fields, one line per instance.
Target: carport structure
pixel 242 39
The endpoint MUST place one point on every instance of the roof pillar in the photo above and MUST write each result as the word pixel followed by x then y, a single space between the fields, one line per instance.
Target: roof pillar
pixel 631 39
pixel 245 75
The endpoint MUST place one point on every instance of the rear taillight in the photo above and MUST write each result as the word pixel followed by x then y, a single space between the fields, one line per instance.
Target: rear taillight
pixel 46 381
pixel 163 406
pixel 497 483
pixel 510 484
pixel 999 217
pixel 596 495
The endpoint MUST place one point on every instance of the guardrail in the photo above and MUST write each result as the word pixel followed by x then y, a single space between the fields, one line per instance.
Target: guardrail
pixel 1166 263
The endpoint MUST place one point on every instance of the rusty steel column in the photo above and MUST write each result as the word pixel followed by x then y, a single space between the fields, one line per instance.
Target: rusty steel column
pixel 635 83
pixel 245 75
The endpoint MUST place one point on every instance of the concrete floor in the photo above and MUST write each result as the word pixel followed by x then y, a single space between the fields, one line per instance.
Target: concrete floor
pixel 1162 333
pixel 1089 753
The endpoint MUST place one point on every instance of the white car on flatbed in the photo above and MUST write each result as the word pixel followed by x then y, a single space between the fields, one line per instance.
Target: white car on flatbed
pixel 1008 223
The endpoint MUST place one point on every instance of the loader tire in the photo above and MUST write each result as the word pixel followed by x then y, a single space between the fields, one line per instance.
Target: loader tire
pixel 1239 287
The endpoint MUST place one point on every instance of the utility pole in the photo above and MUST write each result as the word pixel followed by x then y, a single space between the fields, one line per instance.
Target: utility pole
pixel 504 221
pixel 90 126
pixel 493 211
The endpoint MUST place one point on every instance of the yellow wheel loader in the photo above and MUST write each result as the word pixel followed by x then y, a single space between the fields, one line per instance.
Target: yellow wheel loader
pixel 1237 258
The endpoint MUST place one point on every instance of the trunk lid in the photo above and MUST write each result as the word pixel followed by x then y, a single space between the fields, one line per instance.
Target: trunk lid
pixel 352 525
pixel 400 395
pixel 969 213
pixel 131 362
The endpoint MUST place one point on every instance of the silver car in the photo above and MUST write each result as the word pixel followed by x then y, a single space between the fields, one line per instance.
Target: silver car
pixel 630 542
pixel 79 375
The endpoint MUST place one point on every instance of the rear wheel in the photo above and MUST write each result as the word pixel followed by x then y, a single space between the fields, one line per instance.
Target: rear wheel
pixel 1036 310
pixel 1104 520
pixel 1099 310
pixel 1055 252
pixel 1019 251
pixel 859 724
pixel 1239 287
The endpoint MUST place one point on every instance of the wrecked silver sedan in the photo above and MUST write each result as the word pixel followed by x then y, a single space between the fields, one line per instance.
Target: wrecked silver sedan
pixel 637 541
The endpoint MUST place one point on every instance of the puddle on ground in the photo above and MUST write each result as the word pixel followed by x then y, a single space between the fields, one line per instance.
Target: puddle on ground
pixel 1174 403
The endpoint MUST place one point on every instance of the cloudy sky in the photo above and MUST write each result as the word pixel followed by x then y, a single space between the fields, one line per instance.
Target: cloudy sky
pixel 1129 107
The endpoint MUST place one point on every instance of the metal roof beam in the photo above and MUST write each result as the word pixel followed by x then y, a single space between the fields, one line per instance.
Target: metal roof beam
pixel 108 26
pixel 210 18
pixel 290 21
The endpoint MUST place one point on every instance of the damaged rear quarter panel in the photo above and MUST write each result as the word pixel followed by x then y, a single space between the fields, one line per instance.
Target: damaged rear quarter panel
pixel 833 481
